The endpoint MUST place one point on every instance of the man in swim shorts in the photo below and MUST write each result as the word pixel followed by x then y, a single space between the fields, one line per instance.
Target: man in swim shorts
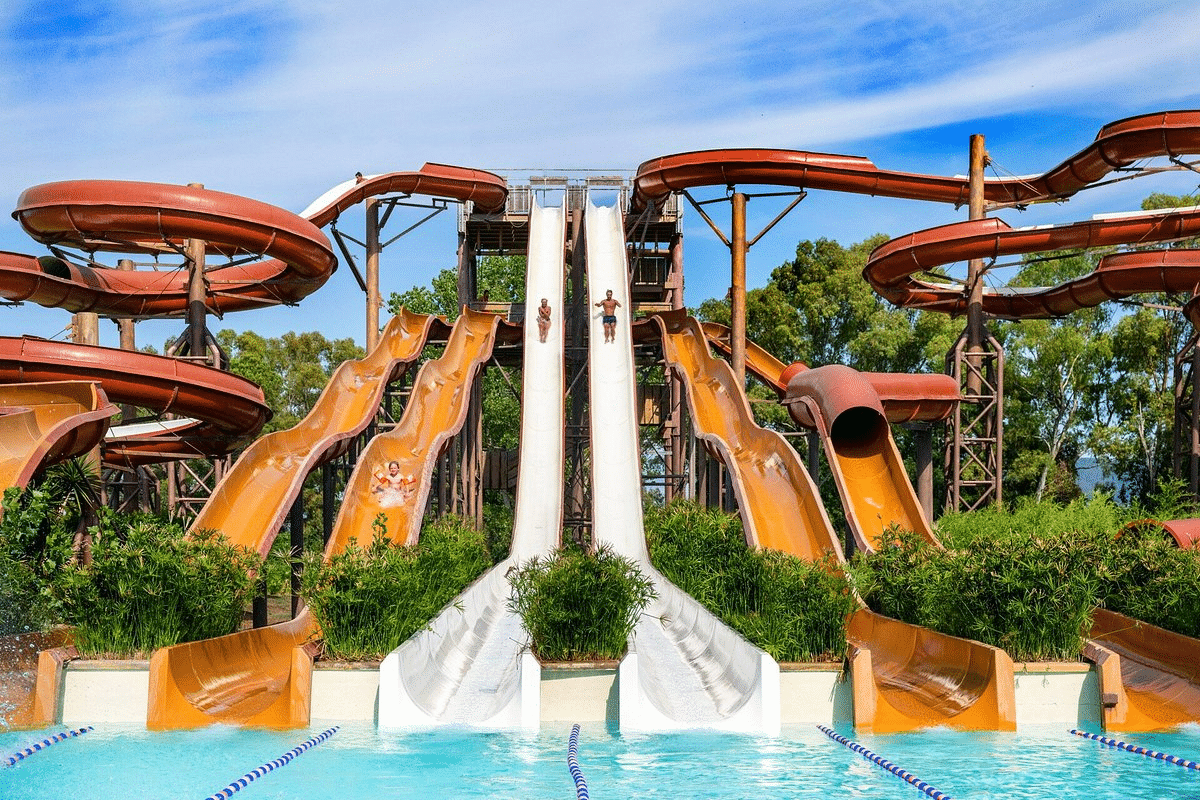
pixel 609 305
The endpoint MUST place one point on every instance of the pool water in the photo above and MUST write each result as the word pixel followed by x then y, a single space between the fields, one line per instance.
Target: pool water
pixel 359 762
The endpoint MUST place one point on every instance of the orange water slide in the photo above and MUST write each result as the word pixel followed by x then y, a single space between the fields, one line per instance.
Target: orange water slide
pixel 249 504
pixel 1147 680
pixel 905 677
pixel 263 677
pixel 1117 145
pixel 780 505
pixel 41 423
pixel 1149 676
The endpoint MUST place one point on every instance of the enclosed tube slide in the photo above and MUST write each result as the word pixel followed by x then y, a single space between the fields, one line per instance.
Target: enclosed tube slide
pixel 905 677
pixel 263 676
pixel 684 668
pixel 876 493
pixel 905 398
pixel 471 665
pixel 1117 145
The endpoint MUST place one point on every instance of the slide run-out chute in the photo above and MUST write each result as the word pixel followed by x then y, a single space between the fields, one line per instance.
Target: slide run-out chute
pixel 684 668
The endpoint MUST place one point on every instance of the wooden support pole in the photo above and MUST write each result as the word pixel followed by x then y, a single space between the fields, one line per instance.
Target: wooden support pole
pixel 374 303
pixel 975 324
pixel 197 312
pixel 737 292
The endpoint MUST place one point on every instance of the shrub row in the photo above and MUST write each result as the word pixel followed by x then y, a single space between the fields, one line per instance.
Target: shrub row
pixel 369 599
pixel 793 609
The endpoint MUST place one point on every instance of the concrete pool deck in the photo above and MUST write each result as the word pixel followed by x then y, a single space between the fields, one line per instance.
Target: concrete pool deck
pixel 1046 693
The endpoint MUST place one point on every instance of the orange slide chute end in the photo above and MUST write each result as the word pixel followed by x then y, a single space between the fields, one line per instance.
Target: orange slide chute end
pixel 906 677
pixel 1150 677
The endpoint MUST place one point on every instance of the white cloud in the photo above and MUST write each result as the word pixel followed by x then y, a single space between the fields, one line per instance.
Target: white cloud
pixel 279 100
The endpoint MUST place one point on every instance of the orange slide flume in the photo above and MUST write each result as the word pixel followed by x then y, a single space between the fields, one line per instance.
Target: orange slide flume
pixel 974 682
pixel 262 677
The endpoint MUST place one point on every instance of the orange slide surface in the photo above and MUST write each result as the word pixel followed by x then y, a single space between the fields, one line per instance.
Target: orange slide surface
pixel 780 504
pixel 263 677
pixel 251 501
pixel 905 677
pixel 41 423
pixel 1149 676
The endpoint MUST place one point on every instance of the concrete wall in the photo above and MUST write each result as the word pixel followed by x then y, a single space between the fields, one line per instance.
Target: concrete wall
pixel 115 691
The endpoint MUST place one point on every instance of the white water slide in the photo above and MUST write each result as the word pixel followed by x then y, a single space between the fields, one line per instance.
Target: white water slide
pixel 472 665
pixel 684 668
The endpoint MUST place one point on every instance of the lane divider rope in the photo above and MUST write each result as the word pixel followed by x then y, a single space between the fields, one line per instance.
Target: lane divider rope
pixel 889 766
pixel 43 744
pixel 1141 751
pixel 581 789
pixel 245 780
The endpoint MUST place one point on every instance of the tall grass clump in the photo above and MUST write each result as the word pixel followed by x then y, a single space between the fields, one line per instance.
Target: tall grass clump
pixel 579 605
pixel 369 599
pixel 149 586
pixel 1148 577
pixel 35 549
pixel 792 608
pixel 1099 515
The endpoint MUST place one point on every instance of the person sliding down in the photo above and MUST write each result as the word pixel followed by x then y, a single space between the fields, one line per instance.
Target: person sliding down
pixel 543 320
pixel 609 305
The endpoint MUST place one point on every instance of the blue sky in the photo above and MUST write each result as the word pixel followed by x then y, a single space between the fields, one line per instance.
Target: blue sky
pixel 281 100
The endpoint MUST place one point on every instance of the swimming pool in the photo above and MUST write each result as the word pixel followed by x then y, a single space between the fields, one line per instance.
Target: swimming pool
pixel 359 762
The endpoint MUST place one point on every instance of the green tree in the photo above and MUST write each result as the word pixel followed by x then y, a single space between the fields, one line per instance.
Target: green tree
pixel 1055 374
pixel 1132 438
pixel 292 369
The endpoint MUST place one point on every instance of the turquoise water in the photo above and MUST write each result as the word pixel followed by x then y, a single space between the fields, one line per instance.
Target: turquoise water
pixel 127 762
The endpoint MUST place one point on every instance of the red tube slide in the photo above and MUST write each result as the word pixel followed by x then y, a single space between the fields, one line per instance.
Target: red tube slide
pixel 1117 145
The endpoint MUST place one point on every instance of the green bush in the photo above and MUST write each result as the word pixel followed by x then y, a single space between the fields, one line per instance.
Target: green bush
pixel 1151 579
pixel 369 600
pixel 792 608
pixel 579 605
pixel 149 586
pixel 1030 594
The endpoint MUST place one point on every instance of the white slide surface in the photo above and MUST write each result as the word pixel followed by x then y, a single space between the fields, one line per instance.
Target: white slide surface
pixel 472 666
pixel 684 668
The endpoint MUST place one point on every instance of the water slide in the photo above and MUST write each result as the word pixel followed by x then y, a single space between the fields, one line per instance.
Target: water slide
pixel 905 677
pixel 1117 146
pixel 253 498
pixel 262 676
pixel 905 398
pixel 684 668
pixel 1149 676
pixel 1146 678
pixel 274 257
pixel 42 423
pixel 472 666
pixel 891 267
pixel 781 506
